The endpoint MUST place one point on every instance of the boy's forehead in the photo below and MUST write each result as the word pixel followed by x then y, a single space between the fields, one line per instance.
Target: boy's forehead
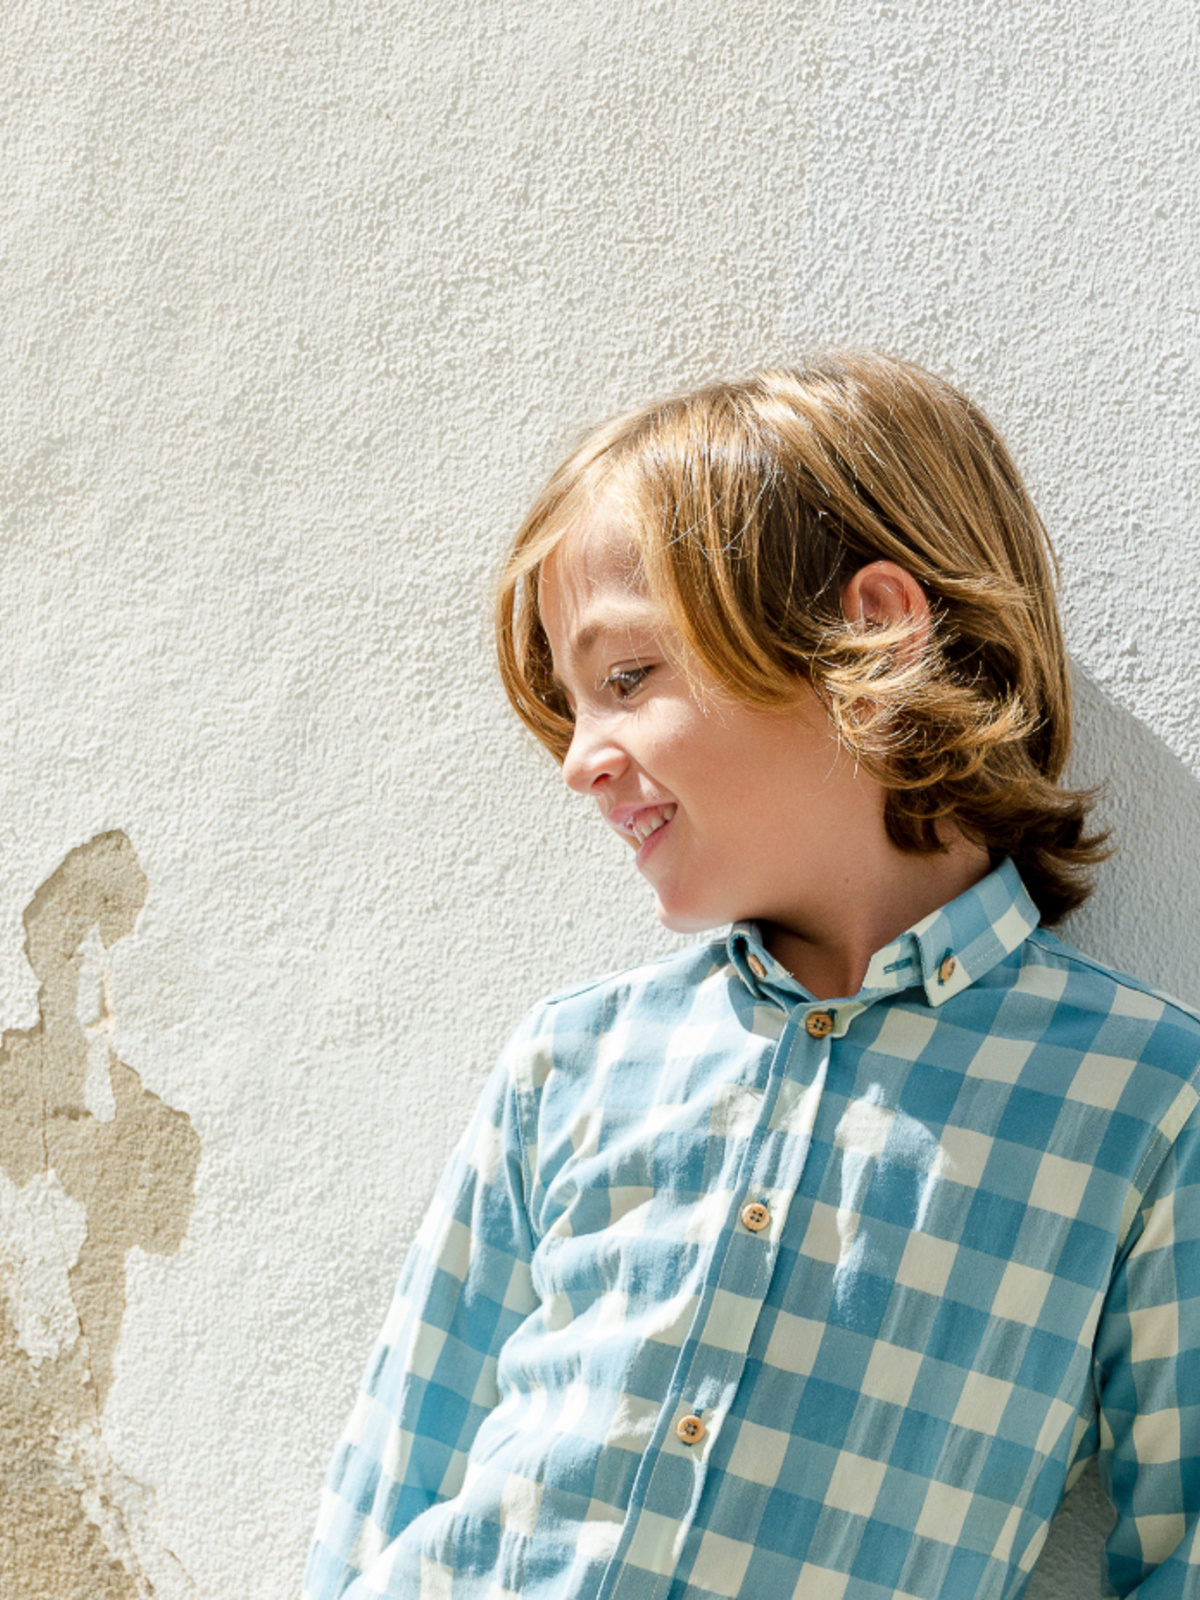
pixel 596 551
pixel 595 563
pixel 591 584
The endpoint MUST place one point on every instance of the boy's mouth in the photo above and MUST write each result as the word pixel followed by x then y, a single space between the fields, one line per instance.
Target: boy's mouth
pixel 641 826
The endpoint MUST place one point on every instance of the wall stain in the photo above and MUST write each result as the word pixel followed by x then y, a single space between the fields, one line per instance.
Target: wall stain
pixel 91 1165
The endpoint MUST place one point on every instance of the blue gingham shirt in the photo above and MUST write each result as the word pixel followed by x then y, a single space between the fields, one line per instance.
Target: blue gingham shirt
pixel 731 1292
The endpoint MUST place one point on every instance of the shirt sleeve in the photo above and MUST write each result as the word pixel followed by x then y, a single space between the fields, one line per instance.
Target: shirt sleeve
pixel 431 1378
pixel 1148 1380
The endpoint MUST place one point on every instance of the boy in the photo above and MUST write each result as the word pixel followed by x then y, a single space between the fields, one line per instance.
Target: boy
pixel 815 1260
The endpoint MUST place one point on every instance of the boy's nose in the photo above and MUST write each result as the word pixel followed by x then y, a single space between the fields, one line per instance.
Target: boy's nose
pixel 591 758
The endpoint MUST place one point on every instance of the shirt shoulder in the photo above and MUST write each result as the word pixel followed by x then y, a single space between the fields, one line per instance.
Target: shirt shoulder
pixel 662 981
pixel 1116 1007
pixel 568 1031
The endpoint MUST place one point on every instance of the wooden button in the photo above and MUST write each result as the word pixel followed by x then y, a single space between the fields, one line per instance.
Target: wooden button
pixel 756 966
pixel 690 1429
pixel 947 969
pixel 756 1217
pixel 819 1023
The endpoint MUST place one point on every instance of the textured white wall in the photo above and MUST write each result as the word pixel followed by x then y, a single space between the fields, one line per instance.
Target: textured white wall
pixel 301 302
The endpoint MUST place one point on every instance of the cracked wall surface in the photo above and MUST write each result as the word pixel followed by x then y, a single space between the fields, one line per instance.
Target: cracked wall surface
pixel 91 1165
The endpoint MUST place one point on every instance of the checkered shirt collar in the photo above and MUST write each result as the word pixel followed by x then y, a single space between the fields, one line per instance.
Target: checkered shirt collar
pixel 945 952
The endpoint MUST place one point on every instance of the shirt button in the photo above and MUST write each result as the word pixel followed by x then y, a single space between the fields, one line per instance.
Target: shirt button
pixel 819 1023
pixel 756 1217
pixel 690 1429
pixel 947 969
pixel 756 966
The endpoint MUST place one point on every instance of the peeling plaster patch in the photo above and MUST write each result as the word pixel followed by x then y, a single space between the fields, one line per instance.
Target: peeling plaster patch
pixel 93 1011
pixel 92 1165
pixel 41 1234
pixel 126 1515
pixel 97 1086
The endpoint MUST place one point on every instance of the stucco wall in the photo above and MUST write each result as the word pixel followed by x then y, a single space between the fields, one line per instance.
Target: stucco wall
pixel 300 303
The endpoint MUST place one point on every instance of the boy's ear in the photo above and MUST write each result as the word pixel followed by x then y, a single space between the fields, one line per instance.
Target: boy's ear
pixel 883 595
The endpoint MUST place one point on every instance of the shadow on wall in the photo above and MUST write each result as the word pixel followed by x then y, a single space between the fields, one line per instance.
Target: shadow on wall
pixel 1142 919
pixel 91 1165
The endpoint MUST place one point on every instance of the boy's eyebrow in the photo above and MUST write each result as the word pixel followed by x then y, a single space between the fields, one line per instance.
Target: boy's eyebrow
pixel 593 630
pixel 587 636
pixel 581 643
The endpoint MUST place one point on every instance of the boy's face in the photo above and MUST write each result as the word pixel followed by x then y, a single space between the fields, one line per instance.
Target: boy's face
pixel 733 812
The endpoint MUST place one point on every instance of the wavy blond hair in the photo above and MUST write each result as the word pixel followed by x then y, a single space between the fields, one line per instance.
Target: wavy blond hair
pixel 751 503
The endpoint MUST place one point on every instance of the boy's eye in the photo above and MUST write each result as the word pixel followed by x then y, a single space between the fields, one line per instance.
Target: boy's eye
pixel 624 682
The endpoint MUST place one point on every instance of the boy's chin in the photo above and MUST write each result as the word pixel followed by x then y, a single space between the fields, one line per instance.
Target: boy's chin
pixel 689 919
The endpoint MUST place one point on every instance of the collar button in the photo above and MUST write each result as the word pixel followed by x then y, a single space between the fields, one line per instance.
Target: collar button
pixel 819 1023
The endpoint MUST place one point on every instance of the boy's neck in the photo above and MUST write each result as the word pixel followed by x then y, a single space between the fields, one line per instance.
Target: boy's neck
pixel 873 907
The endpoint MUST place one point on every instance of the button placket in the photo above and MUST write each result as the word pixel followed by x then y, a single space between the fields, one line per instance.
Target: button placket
pixel 708 1377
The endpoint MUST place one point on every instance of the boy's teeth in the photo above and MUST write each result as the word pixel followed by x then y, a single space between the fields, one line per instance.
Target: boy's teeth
pixel 643 827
